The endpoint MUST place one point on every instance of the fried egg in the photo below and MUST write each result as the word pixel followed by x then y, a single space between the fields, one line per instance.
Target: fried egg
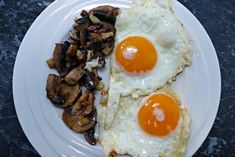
pixel 151 48
pixel 149 126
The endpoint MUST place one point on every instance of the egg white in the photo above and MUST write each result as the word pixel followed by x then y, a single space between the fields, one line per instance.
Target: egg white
pixel 166 33
pixel 155 21
pixel 126 137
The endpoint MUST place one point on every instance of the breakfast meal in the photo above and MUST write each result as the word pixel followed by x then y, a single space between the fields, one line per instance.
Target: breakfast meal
pixel 139 115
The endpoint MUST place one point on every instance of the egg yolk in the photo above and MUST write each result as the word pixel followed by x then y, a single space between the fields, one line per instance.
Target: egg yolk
pixel 159 114
pixel 136 54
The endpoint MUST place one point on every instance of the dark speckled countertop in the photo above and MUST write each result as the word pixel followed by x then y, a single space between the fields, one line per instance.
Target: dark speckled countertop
pixel 218 18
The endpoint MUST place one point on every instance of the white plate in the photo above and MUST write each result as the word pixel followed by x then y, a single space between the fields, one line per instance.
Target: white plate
pixel 199 86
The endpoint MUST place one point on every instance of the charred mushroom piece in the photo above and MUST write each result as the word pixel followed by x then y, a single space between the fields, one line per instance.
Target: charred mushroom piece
pixel 71 52
pixel 73 76
pixel 87 110
pixel 51 63
pixel 98 54
pixel 90 136
pixel 83 36
pixel 107 36
pixel 75 37
pixel 89 106
pixel 105 13
pixel 83 121
pixel 108 27
pixel 91 98
pixel 94 19
pixel 73 62
pixel 103 39
pixel 82 129
pixel 84 106
pixel 105 32
pixel 95 37
pixel 84 13
pixel 81 23
pixel 79 103
pixel 93 45
pixel 59 58
pixel 70 93
pixel 89 80
pixel 53 81
pixel 96 74
pixel 76 119
pixel 81 55
pixel 90 54
pixel 94 27
pixel 69 119
pixel 84 96
pixel 107 47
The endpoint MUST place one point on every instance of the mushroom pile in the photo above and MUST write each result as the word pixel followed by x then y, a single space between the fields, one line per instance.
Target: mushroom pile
pixel 77 62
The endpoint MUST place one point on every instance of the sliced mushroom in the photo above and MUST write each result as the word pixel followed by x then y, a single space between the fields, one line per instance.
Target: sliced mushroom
pixel 73 76
pixel 83 36
pixel 89 80
pixel 93 45
pixel 51 63
pixel 84 106
pixel 81 55
pixel 102 32
pixel 84 96
pixel 107 36
pixel 59 58
pixel 108 27
pixel 82 129
pixel 107 47
pixel 53 81
pixel 90 54
pixel 81 118
pixel 71 63
pixel 90 136
pixel 94 19
pixel 70 93
pixel 91 98
pixel 105 13
pixel 71 52
pixel 87 110
pixel 68 119
pixel 81 23
pixel 77 107
pixel 95 37
pixel 84 13
pixel 84 121
pixel 93 28
pixel 75 37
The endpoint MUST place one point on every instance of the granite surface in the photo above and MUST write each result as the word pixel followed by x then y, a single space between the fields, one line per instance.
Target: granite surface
pixel 218 18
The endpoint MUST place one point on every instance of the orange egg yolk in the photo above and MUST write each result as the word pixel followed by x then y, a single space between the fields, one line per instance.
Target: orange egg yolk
pixel 159 114
pixel 136 54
